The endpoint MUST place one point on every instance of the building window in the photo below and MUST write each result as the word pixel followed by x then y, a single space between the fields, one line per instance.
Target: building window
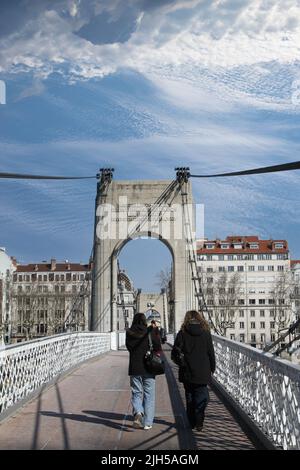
pixel 262 325
pixel 262 313
pixel 280 268
pixel 209 257
pixel 232 337
pixel 272 337
pixel 210 270
pixel 263 338
pixel 252 325
pixel 254 246
pixel 271 301
pixel 253 338
pixel 261 268
pixel 51 277
pixel 262 301
pixel 251 268
pixel 45 278
pixel 242 325
pixel 240 268
pixel 242 314
pixel 224 246
pixel 252 313
pixel 210 246
pixel 230 257
pixel 278 246
pixel 221 269
pixel 230 268
pixel 242 338
pixel 272 325
pixel 221 257
pixel 241 301
pixel 270 268
pixel 252 301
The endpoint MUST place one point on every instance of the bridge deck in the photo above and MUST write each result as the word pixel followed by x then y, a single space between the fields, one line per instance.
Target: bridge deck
pixel 90 409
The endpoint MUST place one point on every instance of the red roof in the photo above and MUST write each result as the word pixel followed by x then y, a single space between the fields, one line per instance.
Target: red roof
pixel 294 262
pixel 46 267
pixel 265 246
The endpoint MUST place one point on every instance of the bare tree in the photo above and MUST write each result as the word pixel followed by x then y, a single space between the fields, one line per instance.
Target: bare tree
pixel 222 293
pixel 164 277
pixel 281 303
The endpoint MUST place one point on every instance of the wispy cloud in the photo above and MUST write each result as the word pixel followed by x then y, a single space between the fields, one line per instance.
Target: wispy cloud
pixel 235 48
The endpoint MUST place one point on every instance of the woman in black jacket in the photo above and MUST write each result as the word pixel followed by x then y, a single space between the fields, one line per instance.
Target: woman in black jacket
pixel 193 351
pixel 142 383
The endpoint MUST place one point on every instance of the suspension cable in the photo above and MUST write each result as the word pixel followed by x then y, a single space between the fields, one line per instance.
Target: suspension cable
pixel 254 171
pixel 44 177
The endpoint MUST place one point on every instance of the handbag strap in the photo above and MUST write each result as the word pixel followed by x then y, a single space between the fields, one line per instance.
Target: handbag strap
pixel 150 341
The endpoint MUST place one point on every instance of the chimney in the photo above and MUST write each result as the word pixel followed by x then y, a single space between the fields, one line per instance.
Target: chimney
pixel 53 264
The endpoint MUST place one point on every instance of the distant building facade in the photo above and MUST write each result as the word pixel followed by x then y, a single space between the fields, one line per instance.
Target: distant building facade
pixel 247 285
pixel 126 301
pixel 49 298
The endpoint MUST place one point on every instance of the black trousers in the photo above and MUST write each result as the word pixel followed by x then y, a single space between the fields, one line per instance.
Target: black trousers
pixel 196 401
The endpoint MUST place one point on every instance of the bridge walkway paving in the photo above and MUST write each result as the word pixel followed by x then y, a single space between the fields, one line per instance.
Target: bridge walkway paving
pixel 90 409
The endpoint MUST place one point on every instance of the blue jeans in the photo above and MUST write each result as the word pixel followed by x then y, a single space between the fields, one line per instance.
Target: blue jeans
pixel 196 401
pixel 143 396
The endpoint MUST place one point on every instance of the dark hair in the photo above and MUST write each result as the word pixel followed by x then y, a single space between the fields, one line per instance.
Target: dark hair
pixel 139 319
pixel 192 316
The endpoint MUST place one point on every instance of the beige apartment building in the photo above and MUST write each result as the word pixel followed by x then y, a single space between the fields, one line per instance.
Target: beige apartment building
pixel 247 286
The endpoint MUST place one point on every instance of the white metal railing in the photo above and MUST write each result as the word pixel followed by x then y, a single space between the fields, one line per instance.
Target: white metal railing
pixel 266 388
pixel 27 366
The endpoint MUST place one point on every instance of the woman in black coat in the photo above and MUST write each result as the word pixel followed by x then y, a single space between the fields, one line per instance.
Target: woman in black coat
pixel 142 383
pixel 193 351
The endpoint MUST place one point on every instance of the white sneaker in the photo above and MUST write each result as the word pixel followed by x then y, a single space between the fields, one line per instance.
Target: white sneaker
pixel 147 427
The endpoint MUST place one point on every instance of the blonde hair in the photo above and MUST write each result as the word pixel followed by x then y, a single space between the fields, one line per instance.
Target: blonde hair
pixel 194 315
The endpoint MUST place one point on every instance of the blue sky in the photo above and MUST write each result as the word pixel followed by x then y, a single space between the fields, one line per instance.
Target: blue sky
pixel 144 87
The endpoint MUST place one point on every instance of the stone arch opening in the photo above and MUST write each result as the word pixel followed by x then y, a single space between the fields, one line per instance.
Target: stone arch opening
pixel 158 299
pixel 117 204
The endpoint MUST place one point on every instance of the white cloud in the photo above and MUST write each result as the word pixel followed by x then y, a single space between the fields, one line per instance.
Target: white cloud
pixel 223 44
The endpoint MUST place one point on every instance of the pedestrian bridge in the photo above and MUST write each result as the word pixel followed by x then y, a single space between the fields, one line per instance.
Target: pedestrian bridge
pixel 71 391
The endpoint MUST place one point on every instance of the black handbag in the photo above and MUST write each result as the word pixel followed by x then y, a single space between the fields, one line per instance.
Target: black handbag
pixel 154 364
